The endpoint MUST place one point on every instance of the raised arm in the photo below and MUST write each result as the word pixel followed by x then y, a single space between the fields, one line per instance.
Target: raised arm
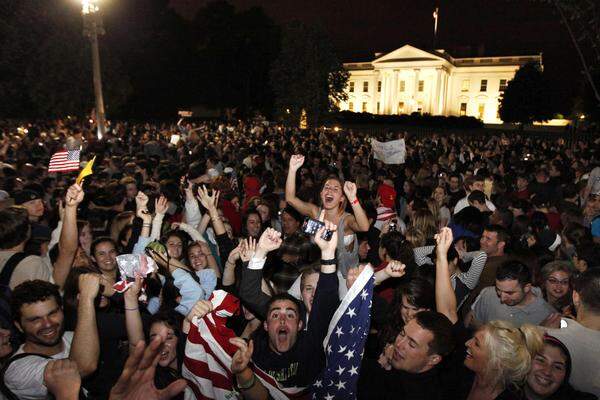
pixel 210 202
pixel 161 205
pixel 68 242
pixel 303 208
pixel 249 385
pixel 133 319
pixel 445 299
pixel 85 348
pixel 360 222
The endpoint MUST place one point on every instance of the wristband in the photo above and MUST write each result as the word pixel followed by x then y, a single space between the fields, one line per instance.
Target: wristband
pixel 146 225
pixel 248 384
pixel 355 201
pixel 131 309
pixel 331 261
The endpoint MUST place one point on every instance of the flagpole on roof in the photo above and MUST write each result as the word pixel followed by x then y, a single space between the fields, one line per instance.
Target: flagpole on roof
pixel 435 25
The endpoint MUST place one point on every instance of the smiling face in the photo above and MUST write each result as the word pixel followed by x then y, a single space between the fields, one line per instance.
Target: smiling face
pixel 174 247
pixel 283 324
pixel 477 355
pixel 197 258
pixel 105 256
pixel 548 371
pixel 42 322
pixel 332 194
pixel 557 285
pixel 168 349
pixel 411 349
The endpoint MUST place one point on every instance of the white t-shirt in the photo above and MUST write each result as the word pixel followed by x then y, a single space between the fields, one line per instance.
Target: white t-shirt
pixel 25 377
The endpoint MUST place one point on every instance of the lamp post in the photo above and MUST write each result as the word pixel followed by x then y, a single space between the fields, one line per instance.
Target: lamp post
pixel 92 27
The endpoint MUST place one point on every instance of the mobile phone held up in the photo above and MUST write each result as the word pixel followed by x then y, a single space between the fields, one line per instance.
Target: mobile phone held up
pixel 311 226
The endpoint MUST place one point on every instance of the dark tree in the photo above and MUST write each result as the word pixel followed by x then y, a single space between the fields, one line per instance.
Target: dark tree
pixel 235 51
pixel 307 74
pixel 527 97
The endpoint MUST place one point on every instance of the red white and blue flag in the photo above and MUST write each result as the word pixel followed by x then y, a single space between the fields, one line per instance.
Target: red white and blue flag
pixel 208 354
pixel 64 161
pixel 345 342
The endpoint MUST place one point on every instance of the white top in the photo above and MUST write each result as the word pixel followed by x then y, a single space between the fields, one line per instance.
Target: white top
pixel 25 377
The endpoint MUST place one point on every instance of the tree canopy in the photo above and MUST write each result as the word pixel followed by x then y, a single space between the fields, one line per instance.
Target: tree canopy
pixel 526 98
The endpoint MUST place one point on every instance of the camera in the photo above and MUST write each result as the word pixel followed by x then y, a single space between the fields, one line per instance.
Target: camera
pixel 311 226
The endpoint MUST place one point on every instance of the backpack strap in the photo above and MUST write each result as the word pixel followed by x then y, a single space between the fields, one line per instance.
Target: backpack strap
pixel 3 388
pixel 9 267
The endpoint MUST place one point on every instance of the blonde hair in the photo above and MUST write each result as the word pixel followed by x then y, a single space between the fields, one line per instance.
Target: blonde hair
pixel 434 207
pixel 424 221
pixel 510 351
pixel 415 237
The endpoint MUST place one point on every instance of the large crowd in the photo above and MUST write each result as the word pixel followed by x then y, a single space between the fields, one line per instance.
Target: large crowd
pixel 485 253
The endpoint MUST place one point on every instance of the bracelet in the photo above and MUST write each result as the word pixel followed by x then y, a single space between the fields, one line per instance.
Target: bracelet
pixel 355 201
pixel 146 225
pixel 331 261
pixel 249 384
pixel 131 309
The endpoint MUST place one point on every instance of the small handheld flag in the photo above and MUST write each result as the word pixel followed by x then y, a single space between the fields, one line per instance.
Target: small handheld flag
pixel 64 161
pixel 87 170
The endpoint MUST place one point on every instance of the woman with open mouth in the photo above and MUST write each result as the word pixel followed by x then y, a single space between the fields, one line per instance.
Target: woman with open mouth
pixel 335 194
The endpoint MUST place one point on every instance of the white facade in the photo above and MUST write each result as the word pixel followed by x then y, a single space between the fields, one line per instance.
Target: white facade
pixel 410 80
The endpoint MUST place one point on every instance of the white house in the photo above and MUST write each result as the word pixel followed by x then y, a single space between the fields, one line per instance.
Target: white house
pixel 410 80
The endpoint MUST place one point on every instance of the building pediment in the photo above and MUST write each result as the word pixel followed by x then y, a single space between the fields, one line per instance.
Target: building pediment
pixel 408 53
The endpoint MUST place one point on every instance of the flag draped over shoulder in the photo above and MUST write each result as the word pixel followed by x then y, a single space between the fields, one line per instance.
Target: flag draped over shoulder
pixel 208 354
pixel 64 161
pixel 345 342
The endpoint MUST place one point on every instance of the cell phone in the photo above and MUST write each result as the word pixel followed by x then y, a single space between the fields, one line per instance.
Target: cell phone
pixel 311 227
pixel 393 226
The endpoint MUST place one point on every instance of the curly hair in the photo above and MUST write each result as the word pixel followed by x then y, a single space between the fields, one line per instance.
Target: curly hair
pixel 30 292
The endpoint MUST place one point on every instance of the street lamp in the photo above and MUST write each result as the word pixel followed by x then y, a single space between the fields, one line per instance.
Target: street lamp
pixel 92 27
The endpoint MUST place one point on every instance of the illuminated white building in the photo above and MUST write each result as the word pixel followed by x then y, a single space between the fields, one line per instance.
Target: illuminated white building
pixel 410 80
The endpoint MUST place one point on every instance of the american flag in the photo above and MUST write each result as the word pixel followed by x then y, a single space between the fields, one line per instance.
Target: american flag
pixel 345 342
pixel 64 161
pixel 208 353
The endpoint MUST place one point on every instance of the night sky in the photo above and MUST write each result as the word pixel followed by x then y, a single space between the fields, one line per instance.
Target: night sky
pixel 466 27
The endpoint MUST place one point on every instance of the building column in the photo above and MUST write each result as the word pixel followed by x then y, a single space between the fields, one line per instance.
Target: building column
pixel 394 92
pixel 414 102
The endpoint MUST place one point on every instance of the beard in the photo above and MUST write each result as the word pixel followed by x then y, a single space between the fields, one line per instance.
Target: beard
pixel 40 340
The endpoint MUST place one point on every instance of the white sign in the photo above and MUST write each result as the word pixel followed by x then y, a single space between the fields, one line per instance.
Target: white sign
pixel 175 139
pixel 393 152
pixel 185 114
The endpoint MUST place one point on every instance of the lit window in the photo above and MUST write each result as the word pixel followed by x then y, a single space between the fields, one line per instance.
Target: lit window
pixel 365 86
pixel 377 107
pixel 378 86
pixel 351 87
pixel 483 87
pixel 364 106
pixel 464 87
pixel 481 111
pixel 503 84
pixel 351 106
pixel 421 85
pixel 401 107
pixel 402 86
pixel 463 109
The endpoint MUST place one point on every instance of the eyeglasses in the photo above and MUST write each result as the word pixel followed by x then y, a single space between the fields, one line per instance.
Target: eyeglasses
pixel 555 281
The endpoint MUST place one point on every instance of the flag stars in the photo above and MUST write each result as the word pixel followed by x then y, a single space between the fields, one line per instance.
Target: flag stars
pixel 352 328
pixel 364 294
pixel 329 397
pixel 329 350
pixel 341 385
pixel 349 354
pixel 342 349
pixel 340 370
pixel 351 312
pixel 353 371
pixel 319 383
pixel 339 331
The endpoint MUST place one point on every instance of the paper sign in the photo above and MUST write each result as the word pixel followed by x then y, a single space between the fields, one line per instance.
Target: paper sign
pixel 185 114
pixel 393 152
pixel 175 139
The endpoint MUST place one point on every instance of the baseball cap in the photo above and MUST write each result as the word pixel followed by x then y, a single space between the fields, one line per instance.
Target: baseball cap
pixel 26 195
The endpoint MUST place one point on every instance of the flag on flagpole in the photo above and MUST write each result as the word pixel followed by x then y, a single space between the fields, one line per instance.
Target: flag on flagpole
pixel 87 170
pixel 345 342
pixel 208 354
pixel 64 161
